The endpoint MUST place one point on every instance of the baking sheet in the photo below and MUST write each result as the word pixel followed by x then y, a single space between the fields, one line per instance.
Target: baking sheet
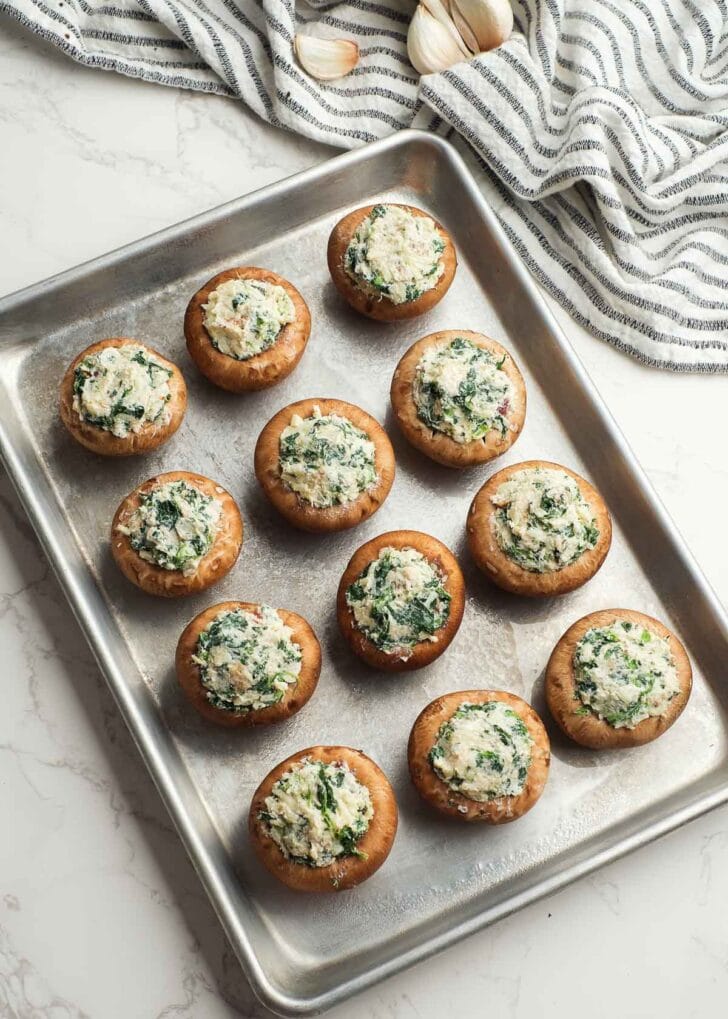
pixel 305 953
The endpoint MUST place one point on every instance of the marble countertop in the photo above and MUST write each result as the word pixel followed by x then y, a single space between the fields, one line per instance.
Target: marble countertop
pixel 100 912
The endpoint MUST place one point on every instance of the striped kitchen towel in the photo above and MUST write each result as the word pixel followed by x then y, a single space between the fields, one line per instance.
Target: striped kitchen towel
pixel 598 131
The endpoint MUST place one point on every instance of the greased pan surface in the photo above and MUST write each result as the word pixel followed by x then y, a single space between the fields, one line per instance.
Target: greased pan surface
pixel 441 881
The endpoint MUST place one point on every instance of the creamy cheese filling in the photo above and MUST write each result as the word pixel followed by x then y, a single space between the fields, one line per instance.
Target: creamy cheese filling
pixel 326 459
pixel 243 317
pixel 399 600
pixel 483 751
pixel 395 254
pixel 317 813
pixel 624 673
pixel 247 659
pixel 542 521
pixel 174 526
pixel 121 389
pixel 460 389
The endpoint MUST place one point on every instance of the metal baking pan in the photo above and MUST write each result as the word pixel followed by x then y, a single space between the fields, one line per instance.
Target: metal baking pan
pixel 302 954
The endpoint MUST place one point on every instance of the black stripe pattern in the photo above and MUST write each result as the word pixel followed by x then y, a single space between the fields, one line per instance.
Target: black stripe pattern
pixel 599 131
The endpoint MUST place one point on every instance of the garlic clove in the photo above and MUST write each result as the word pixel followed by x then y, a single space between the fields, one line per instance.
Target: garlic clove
pixel 466 33
pixel 488 22
pixel 430 46
pixel 440 12
pixel 326 59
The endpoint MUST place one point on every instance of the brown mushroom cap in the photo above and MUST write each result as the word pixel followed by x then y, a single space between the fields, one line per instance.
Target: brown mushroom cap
pixel 261 370
pixel 152 433
pixel 288 503
pixel 507 574
pixel 588 729
pixel 382 308
pixel 426 651
pixel 294 698
pixel 173 583
pixel 346 871
pixel 436 444
pixel 448 800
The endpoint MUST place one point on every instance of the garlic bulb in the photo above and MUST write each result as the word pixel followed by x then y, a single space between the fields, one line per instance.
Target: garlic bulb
pixel 483 24
pixel 444 32
pixel 326 59
pixel 431 46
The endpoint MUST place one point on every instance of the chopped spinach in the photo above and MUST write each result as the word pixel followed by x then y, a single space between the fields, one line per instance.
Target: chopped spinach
pixel 460 390
pixel 483 751
pixel 244 317
pixel 542 521
pixel 399 600
pixel 247 659
pixel 106 380
pixel 395 254
pixel 153 528
pixel 309 813
pixel 623 675
pixel 326 459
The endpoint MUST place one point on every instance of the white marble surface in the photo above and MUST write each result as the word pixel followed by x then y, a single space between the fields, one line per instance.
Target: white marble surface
pixel 100 912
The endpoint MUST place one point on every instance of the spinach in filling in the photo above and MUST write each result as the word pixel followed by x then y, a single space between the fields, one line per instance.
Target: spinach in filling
pixel 174 526
pixel 247 659
pixel 120 389
pixel 399 600
pixel 395 254
pixel 461 390
pixel 624 673
pixel 317 813
pixel 326 459
pixel 542 521
pixel 483 751
pixel 243 317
